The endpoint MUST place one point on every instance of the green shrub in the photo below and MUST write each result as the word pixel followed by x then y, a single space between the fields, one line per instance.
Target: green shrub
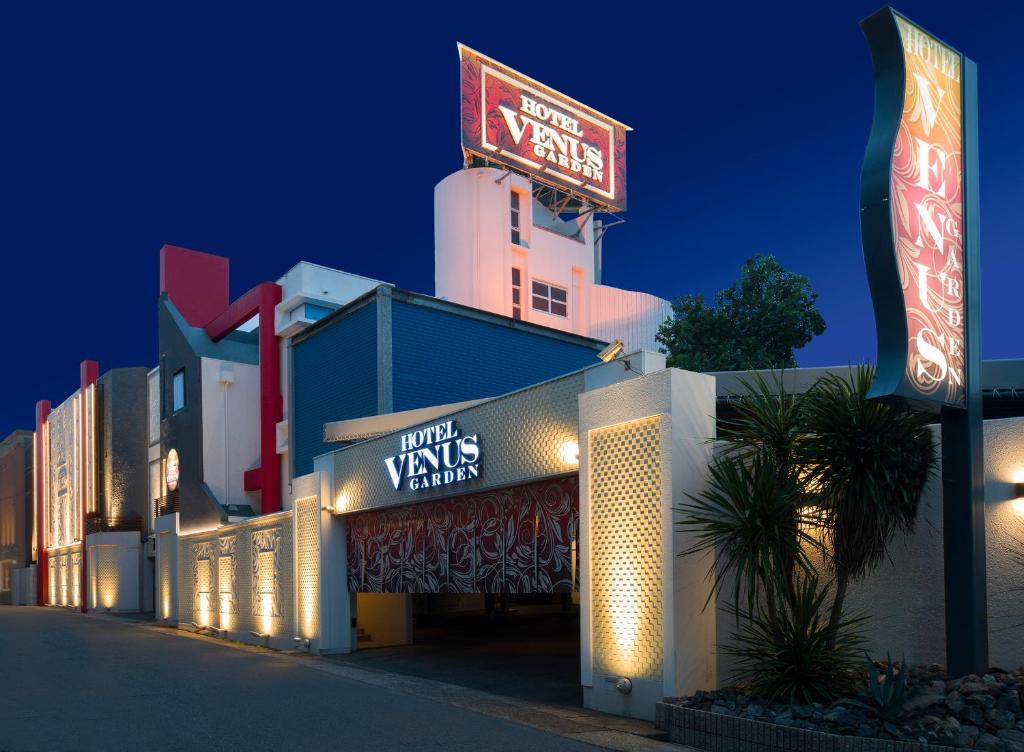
pixel 796 655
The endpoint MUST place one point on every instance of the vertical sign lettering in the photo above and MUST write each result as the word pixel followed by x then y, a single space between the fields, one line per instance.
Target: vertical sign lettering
pixel 913 217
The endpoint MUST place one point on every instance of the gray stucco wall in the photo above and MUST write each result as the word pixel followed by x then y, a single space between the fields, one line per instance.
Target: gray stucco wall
pixel 123 445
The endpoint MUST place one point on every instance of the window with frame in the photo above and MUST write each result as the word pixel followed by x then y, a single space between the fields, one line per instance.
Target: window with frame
pixel 517 293
pixel 178 391
pixel 550 299
pixel 515 219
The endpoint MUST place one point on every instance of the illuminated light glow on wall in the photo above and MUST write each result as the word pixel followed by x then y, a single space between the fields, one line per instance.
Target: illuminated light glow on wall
pixel 570 452
pixel 202 582
pixel 626 546
pixel 266 577
pixel 227 581
pixel 307 566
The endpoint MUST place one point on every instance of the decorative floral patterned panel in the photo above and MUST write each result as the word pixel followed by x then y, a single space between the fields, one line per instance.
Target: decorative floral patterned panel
pixel 516 540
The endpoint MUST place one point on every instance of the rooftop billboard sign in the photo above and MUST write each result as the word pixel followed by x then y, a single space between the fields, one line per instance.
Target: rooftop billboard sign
pixel 510 119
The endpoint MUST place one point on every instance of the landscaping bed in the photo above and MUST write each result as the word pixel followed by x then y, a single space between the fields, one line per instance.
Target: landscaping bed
pixel 973 712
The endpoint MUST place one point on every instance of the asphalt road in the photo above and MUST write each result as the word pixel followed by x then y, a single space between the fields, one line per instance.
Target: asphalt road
pixel 69 682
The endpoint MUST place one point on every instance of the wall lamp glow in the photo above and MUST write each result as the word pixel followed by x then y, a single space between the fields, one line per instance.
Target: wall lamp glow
pixel 570 453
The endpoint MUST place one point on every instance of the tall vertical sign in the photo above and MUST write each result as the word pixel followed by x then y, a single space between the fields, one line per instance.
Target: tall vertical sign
pixel 919 224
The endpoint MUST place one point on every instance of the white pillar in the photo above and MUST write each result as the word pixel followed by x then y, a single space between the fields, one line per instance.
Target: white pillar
pixel 336 604
pixel 644 444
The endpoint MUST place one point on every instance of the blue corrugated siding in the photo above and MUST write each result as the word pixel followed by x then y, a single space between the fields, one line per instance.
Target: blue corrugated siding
pixel 335 378
pixel 441 357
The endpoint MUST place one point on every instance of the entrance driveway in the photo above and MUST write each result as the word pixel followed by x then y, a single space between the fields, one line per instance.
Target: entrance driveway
pixel 73 682
pixel 531 653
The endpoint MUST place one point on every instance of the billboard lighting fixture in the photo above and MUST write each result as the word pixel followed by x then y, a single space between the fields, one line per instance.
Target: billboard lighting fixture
pixel 611 352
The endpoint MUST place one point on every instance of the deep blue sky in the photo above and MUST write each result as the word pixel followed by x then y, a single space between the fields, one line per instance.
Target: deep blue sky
pixel 279 135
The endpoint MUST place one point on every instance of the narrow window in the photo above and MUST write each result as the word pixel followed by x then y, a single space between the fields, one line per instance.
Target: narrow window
pixel 178 391
pixel 517 292
pixel 550 299
pixel 515 218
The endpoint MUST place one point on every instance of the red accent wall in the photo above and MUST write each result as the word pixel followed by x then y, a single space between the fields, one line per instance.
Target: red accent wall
pixel 515 540
pixel 89 373
pixel 197 283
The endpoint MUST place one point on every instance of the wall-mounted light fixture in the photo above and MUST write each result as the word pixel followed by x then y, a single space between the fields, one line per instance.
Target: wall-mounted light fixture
pixel 261 636
pixel 1018 496
pixel 301 642
pixel 611 352
pixel 621 684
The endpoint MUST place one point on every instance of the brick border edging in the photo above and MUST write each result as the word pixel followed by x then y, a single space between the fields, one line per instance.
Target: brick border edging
pixel 714 732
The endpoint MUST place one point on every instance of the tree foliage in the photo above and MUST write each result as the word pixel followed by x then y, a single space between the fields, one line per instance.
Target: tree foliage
pixel 758 322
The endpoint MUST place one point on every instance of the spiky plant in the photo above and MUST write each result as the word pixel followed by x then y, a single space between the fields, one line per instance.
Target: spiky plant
pixel 750 519
pixel 796 654
pixel 868 462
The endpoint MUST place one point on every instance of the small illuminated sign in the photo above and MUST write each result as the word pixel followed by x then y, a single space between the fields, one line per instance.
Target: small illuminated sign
pixel 435 456
pixel 172 471
pixel 513 120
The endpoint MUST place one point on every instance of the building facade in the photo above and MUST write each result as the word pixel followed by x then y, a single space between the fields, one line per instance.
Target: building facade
pixel 16 515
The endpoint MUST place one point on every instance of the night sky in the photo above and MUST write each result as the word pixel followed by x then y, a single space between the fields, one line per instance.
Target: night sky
pixel 278 136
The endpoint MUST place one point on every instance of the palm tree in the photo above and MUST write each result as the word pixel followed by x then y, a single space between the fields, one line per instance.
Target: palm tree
pixel 867 462
pixel 752 515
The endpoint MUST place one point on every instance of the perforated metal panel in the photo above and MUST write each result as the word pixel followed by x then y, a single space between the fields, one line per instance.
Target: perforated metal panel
pixel 266 572
pixel 202 585
pixel 307 566
pixel 626 549
pixel 104 566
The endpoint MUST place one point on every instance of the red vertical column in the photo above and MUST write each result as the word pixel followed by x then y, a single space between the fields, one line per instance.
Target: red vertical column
pixel 89 372
pixel 271 403
pixel 42 481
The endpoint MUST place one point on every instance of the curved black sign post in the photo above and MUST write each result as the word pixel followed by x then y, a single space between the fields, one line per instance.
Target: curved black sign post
pixel 919 226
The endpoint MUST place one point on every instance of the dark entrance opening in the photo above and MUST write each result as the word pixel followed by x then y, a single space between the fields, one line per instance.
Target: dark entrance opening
pixel 480 590
pixel 523 646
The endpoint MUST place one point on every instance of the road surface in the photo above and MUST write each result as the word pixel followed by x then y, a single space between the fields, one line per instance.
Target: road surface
pixel 72 682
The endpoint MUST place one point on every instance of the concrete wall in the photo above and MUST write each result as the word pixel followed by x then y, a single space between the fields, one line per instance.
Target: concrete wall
pixel 240 578
pixel 231 432
pixel 16 513
pixel 113 577
pixel 124 483
pixel 474 256
pixel 904 599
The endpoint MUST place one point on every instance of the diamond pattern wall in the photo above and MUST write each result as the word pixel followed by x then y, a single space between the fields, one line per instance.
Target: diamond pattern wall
pixel 522 438
pixel 307 566
pixel 626 549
